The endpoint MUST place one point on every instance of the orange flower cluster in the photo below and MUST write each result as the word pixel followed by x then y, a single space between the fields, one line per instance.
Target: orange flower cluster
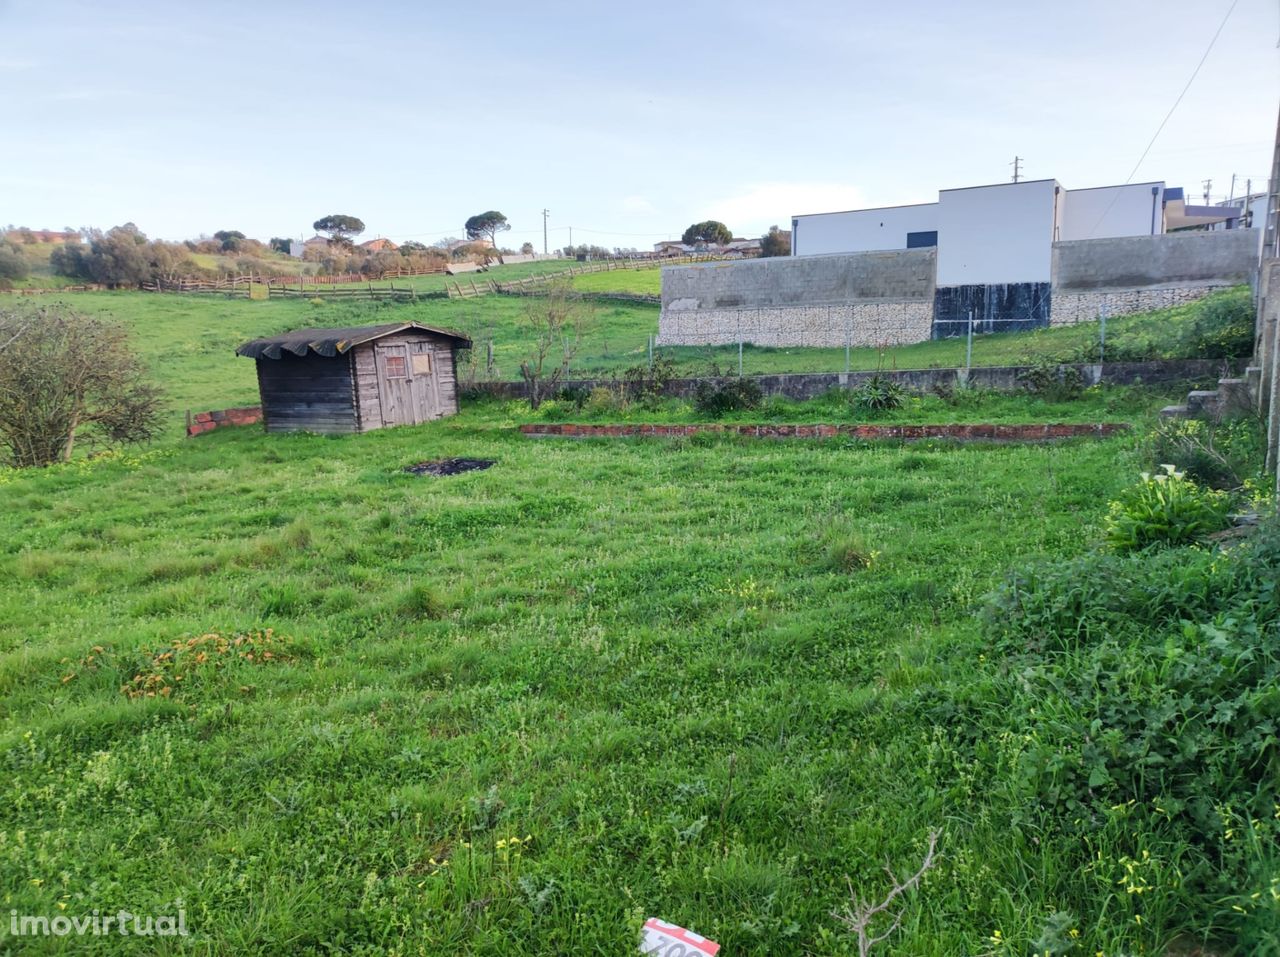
pixel 167 669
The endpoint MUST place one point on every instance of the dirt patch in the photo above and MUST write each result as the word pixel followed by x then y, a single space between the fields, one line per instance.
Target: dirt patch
pixel 448 466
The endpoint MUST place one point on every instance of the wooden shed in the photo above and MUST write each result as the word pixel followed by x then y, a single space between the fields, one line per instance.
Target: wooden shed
pixel 357 379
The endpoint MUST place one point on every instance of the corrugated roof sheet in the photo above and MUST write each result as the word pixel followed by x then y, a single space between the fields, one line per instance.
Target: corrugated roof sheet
pixel 333 342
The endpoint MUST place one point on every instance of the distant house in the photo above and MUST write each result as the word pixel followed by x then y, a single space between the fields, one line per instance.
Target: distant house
pixel 356 379
pixel 379 245
pixel 740 247
pixel 316 242
pixel 671 247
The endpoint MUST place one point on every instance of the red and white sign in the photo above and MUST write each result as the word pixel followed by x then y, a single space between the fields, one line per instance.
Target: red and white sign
pixel 668 940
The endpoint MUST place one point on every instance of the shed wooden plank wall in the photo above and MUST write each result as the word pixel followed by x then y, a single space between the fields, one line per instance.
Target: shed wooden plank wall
pixel 368 402
pixel 312 393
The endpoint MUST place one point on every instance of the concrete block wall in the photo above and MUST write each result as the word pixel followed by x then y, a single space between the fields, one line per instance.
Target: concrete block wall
pixel 857 324
pixel 888 297
pixel 1227 257
pixel 800 280
pixel 864 299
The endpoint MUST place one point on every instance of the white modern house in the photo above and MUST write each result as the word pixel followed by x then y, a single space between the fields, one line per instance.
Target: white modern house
pixel 996 242
pixel 994 224
pixel 996 258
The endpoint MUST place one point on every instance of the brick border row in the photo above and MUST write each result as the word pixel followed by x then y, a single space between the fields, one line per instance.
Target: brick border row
pixel 1035 432
pixel 208 421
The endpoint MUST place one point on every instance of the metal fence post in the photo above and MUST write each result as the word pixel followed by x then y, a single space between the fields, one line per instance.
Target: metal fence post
pixel 1102 333
pixel 848 341
pixel 968 348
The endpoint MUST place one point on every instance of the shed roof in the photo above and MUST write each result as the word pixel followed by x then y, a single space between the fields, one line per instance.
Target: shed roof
pixel 334 342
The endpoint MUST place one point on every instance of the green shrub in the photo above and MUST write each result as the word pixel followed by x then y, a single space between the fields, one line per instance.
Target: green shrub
pixel 1222 455
pixel 604 401
pixel 1223 327
pixel 1140 715
pixel 574 395
pixel 1048 380
pixel 718 394
pixel 878 394
pixel 1165 508
pixel 647 383
pixel 13 265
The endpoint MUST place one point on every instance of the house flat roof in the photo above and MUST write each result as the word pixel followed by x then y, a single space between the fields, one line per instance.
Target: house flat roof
pixel 1021 182
pixel 864 209
pixel 334 342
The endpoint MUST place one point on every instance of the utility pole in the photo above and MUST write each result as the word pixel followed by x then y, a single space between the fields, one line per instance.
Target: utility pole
pixel 545 214
pixel 1017 168
pixel 570 236
pixel 1208 185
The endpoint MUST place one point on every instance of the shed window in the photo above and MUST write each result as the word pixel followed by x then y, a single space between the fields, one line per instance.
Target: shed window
pixel 422 363
pixel 395 367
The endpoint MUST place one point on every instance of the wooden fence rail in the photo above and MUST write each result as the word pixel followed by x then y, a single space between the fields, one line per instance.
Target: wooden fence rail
pixel 236 283
pixel 530 284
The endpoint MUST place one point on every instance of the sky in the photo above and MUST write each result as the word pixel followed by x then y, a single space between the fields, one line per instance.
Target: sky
pixel 627 121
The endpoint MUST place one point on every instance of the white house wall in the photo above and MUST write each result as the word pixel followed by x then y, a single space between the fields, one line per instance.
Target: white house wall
pixel 1112 211
pixel 860 230
pixel 990 235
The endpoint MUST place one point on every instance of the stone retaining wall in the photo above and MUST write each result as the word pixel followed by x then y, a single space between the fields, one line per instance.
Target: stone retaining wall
pixel 1070 308
pixel 208 421
pixel 960 433
pixel 895 323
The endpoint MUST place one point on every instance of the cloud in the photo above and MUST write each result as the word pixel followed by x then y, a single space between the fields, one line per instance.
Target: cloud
pixel 637 204
pixel 767 204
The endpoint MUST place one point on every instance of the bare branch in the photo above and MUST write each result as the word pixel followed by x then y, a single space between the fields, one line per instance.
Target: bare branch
pixel 860 914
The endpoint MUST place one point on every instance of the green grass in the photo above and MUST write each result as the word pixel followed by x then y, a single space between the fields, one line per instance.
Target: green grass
pixel 704 679
pixel 641 655
pixel 640 282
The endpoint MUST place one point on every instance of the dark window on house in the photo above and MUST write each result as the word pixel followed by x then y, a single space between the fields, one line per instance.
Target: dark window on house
pixel 922 240
pixel 395 367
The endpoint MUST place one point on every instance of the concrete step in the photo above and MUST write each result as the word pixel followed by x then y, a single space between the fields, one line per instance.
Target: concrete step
pixel 1202 401
pixel 1174 412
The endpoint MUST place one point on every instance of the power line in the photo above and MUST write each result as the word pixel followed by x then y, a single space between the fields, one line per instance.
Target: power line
pixel 1160 129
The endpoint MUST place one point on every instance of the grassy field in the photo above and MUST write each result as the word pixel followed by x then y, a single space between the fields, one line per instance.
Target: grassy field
pixel 193 338
pixel 517 711
pixel 336 708
pixel 641 282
